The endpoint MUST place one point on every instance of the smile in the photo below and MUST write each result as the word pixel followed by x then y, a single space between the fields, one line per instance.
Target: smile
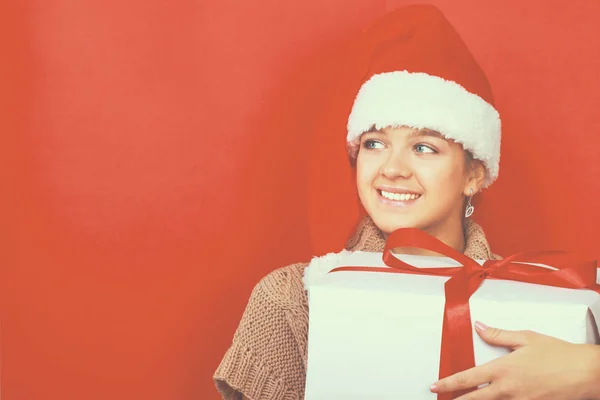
pixel 399 196
pixel 398 199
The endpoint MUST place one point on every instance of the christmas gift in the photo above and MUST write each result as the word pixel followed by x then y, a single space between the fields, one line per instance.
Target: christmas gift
pixel 386 326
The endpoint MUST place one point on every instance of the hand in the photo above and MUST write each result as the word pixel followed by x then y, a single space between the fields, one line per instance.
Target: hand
pixel 540 367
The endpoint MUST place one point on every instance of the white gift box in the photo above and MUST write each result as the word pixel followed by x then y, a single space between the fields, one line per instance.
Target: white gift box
pixel 376 335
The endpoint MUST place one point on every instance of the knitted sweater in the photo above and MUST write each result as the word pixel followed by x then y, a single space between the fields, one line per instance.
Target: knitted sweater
pixel 267 359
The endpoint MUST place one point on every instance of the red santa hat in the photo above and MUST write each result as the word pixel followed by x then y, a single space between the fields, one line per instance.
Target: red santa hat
pixel 419 73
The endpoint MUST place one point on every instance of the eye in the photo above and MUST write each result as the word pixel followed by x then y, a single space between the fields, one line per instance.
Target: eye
pixel 372 144
pixel 424 149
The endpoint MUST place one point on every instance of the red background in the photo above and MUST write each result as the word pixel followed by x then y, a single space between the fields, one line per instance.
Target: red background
pixel 156 156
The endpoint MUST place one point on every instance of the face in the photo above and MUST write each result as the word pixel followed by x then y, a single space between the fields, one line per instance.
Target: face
pixel 410 178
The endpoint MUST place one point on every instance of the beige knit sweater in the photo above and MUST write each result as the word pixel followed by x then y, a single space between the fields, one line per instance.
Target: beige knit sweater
pixel 267 359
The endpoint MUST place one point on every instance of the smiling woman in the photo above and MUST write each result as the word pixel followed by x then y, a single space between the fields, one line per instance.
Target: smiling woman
pixel 421 144
pixel 423 136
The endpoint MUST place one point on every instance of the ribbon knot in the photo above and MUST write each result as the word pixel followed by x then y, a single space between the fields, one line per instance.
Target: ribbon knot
pixel 488 269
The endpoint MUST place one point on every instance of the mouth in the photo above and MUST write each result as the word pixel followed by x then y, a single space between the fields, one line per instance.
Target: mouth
pixel 401 199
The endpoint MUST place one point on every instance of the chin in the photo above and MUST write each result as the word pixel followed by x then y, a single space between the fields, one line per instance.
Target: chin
pixel 389 225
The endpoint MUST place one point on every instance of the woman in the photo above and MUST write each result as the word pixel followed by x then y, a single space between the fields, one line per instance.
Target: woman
pixel 424 138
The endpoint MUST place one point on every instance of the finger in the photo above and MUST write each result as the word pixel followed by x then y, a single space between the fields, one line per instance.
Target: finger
pixel 501 337
pixel 485 393
pixel 467 379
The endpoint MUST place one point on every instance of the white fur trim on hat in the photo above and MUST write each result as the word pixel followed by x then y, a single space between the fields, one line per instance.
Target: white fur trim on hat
pixel 419 100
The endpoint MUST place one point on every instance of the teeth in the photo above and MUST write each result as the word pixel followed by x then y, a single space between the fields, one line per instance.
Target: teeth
pixel 399 197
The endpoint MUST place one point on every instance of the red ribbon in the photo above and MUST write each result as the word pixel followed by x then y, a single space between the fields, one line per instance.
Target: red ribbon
pixel 457 352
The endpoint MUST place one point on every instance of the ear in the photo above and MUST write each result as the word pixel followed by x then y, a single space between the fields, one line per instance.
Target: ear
pixel 475 179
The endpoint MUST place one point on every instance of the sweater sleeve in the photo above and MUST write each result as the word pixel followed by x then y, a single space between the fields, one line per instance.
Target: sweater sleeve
pixel 264 360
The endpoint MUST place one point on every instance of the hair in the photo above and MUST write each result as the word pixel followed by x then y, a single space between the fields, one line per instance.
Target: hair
pixel 352 148
pixel 471 162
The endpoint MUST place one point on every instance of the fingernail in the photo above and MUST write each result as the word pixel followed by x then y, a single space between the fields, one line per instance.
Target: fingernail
pixel 433 388
pixel 481 326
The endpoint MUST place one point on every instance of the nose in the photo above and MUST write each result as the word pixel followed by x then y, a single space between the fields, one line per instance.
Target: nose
pixel 396 165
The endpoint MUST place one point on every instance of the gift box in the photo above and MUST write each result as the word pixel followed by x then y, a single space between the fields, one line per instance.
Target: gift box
pixel 377 321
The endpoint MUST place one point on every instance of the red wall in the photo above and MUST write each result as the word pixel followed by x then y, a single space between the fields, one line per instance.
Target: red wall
pixel 155 164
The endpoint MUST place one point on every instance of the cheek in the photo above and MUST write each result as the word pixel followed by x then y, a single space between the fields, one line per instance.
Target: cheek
pixel 367 168
pixel 446 179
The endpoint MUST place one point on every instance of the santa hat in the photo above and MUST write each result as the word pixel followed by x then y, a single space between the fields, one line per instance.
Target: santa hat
pixel 419 73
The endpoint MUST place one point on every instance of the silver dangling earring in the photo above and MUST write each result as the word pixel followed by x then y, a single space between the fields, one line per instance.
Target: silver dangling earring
pixel 470 209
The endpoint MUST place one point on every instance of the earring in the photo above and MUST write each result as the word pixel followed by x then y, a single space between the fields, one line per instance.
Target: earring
pixel 470 209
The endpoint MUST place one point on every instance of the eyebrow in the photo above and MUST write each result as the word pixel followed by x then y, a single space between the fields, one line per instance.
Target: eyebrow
pixel 427 132
pixel 413 134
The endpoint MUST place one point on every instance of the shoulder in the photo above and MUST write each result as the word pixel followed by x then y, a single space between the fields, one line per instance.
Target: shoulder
pixel 278 303
pixel 283 287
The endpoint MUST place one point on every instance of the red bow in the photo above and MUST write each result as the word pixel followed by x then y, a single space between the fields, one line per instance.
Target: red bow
pixel 457 352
